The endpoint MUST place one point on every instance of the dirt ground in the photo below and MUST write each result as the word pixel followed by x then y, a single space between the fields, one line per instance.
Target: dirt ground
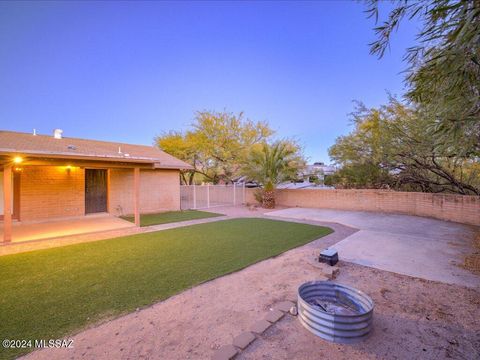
pixel 413 319
pixel 472 261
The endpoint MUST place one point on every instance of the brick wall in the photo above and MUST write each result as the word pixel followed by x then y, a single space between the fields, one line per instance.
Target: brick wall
pixel 458 208
pixel 51 191
pixel 159 191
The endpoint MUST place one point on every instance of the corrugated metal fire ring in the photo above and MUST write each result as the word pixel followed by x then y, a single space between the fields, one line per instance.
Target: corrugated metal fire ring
pixel 351 326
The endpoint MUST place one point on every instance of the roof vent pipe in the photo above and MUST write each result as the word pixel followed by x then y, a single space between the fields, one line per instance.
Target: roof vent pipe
pixel 57 133
pixel 34 132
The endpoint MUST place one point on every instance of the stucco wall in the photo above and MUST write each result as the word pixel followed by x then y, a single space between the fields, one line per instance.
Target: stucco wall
pixel 51 192
pixel 458 208
pixel 159 191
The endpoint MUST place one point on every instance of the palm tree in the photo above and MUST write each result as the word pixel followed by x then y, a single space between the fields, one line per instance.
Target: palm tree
pixel 272 164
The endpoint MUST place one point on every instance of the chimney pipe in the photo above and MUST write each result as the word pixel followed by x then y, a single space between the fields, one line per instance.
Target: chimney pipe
pixel 57 133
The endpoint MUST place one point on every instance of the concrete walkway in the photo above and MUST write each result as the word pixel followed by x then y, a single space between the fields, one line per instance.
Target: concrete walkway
pixel 410 245
pixel 19 247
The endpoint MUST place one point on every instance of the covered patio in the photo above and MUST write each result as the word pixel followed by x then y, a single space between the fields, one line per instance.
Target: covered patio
pixel 31 231
pixel 53 186
pixel 51 198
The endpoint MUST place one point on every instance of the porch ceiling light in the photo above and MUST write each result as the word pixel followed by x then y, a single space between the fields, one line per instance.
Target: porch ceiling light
pixel 17 159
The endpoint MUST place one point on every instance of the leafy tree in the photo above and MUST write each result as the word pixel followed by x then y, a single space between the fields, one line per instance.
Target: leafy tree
pixel 314 179
pixel 181 146
pixel 416 160
pixel 360 176
pixel 215 146
pixel 390 146
pixel 362 154
pixel 271 164
pixel 433 143
pixel 444 67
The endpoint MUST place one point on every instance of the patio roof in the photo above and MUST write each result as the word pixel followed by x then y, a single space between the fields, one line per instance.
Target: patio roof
pixel 43 146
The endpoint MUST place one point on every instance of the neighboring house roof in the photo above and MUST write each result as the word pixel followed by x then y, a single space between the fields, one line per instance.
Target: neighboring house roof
pixel 74 148
pixel 318 166
pixel 302 185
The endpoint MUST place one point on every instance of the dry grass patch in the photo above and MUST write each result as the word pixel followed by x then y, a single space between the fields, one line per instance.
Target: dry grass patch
pixel 472 261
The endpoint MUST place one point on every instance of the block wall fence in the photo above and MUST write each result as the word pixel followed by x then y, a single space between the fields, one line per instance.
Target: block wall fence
pixel 457 208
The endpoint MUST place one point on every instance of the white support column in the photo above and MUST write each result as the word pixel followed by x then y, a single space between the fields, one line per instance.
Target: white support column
pixel 7 203
pixel 109 210
pixel 194 196
pixel 244 193
pixel 234 196
pixel 136 195
pixel 208 195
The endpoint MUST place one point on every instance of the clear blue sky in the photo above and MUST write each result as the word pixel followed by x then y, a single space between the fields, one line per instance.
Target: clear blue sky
pixel 127 71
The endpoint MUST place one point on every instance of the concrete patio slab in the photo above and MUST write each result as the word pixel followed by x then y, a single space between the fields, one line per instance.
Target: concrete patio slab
pixel 409 245
pixel 393 223
pixel 29 231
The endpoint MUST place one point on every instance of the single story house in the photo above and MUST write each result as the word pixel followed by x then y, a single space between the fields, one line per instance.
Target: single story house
pixel 46 177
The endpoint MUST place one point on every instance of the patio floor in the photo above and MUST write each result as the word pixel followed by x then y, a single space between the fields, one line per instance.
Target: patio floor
pixel 410 245
pixel 65 227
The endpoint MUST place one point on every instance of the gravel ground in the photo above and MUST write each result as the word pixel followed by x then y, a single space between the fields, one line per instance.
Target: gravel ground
pixel 472 261
pixel 413 319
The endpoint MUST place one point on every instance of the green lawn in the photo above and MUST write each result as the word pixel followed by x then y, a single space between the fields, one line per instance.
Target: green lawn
pixel 171 216
pixel 48 294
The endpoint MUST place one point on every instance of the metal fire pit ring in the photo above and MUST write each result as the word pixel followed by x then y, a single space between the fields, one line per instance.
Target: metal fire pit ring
pixel 348 327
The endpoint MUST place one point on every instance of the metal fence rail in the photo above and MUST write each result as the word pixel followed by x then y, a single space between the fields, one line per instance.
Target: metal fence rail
pixel 207 196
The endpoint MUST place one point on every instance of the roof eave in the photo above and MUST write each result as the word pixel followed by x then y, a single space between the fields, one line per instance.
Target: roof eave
pixel 175 167
pixel 59 155
pixel 156 164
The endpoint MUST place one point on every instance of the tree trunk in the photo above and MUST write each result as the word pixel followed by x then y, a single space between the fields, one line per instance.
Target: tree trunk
pixel 268 201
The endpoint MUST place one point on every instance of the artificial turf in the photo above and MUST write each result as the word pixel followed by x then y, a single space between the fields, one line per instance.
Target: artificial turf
pixel 48 294
pixel 171 217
